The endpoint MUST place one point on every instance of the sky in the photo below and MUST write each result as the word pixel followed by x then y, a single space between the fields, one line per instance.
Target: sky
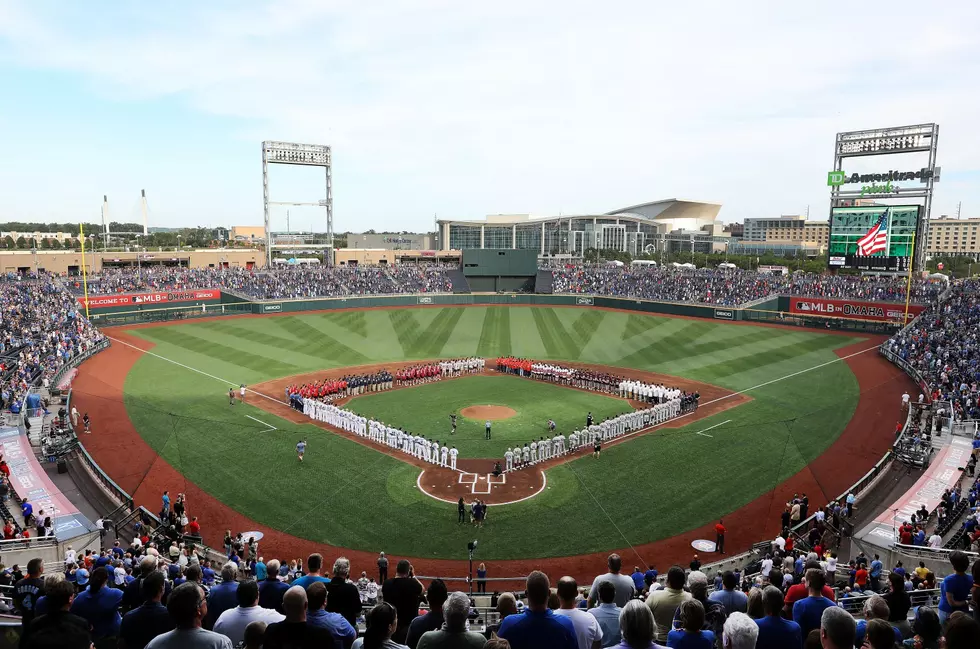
pixel 459 110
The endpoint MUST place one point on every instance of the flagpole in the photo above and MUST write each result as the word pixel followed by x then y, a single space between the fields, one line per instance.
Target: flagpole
pixel 81 237
pixel 908 284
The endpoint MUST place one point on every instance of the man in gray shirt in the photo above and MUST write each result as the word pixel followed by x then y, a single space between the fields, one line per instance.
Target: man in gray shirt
pixel 623 583
pixel 188 606
pixel 607 614
pixel 734 600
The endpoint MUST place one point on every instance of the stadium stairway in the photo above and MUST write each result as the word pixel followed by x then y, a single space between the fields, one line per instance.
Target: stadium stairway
pixel 460 285
pixel 544 282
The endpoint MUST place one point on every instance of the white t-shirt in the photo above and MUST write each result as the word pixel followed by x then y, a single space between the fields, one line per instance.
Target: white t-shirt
pixel 935 541
pixel 232 622
pixel 766 567
pixel 905 398
pixel 587 629
pixel 190 639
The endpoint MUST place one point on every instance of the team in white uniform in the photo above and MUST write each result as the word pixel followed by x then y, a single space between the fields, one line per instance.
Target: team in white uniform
pixel 545 449
pixel 457 366
pixel 415 445
pixel 649 392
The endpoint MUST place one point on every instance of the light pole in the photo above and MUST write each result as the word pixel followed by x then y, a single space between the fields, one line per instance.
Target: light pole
pixel 471 547
pixel 139 266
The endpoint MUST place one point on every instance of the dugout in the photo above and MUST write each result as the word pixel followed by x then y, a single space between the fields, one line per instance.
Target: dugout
pixel 500 270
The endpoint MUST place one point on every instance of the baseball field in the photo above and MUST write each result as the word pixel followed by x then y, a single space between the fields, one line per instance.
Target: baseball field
pixel 783 416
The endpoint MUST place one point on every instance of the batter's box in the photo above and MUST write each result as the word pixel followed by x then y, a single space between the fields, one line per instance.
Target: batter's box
pixel 481 485
pixel 467 478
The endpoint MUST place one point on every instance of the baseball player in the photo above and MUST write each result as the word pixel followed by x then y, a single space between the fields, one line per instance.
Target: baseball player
pixel 452 458
pixel 526 454
pixel 231 396
pixel 452 420
pixel 444 453
pixel 488 428
pixel 241 391
pixel 534 452
pixel 434 457
pixel 301 449
pixel 509 458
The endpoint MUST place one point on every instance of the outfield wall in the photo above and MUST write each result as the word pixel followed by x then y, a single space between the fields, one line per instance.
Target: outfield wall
pixel 774 310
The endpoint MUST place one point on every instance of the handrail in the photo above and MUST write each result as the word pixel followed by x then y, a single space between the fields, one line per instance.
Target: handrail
pixel 101 475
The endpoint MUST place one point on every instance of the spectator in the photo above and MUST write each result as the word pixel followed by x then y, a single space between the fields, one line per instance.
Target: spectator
pixel 538 626
pixel 734 600
pixel 836 628
pixel 623 583
pixel 254 635
pixel 691 635
pixel 899 603
pixel 962 632
pixel 506 606
pixel 807 612
pixel 664 603
pixel 59 595
pixel 314 564
pixel 271 589
pixel 342 595
pixel 382 621
pixel 775 632
pixel 607 614
pixel 954 593
pixel 232 622
pixel 151 619
pixel 588 633
pixel 224 596
pixel 27 590
pixel 436 596
pixel 404 592
pixel 797 592
pixel 99 604
pixel 874 608
pixel 740 632
pixel 877 634
pixel 453 634
pixel 344 632
pixel 295 632
pixel 714 613
pixel 382 568
pixel 637 627
pixel 188 607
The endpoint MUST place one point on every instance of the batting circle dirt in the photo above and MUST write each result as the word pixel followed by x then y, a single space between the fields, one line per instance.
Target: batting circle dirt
pixel 492 413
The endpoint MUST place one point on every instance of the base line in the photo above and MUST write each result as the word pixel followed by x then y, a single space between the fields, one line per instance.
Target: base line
pixel 702 432
pixel 271 427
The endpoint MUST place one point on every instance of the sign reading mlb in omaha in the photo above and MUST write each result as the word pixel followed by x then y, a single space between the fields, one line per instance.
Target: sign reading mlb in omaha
pixel 854 309
pixel 129 299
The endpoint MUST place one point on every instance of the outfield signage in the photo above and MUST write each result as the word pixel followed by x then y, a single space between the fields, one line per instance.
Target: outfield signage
pixel 129 299
pixel 854 309
pixel 724 314
pixel 425 299
pixel 585 301
pixel 271 308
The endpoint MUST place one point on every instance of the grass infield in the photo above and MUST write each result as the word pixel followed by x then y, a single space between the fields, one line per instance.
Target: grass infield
pixel 425 410
pixel 352 496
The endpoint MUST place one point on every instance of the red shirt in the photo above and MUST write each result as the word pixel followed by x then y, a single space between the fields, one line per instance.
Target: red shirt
pixel 797 592
pixel 861 577
pixel 195 528
pixel 720 529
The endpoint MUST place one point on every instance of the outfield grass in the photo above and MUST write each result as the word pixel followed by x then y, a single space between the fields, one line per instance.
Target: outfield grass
pixel 425 410
pixel 185 417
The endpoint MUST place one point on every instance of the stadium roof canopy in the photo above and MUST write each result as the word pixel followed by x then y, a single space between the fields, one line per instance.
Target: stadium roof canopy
pixel 670 209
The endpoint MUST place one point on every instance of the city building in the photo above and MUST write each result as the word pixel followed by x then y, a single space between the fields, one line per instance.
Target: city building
pixel 636 229
pixel 69 262
pixel 953 237
pixel 61 237
pixel 248 233
pixel 392 241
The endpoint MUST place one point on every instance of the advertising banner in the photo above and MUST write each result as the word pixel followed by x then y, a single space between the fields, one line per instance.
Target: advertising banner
pixel 724 314
pixel 584 301
pixel 272 308
pixel 855 309
pixel 129 299
pixel 33 485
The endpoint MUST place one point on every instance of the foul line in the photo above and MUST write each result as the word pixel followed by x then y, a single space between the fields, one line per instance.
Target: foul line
pixel 703 432
pixel 271 427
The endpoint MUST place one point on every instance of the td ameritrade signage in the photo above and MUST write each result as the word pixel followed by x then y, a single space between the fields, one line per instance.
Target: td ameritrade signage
pixel 129 299
pixel 879 183
pixel 854 309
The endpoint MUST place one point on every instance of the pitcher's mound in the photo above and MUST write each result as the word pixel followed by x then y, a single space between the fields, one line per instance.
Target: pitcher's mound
pixel 493 413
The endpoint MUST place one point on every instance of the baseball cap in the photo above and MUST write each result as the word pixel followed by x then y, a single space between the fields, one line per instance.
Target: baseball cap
pixel 81 576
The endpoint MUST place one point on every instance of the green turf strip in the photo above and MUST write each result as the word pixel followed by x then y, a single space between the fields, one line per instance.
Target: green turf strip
pixel 651 487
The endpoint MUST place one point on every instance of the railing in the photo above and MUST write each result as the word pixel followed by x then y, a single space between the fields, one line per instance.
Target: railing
pixel 107 483
pixel 77 360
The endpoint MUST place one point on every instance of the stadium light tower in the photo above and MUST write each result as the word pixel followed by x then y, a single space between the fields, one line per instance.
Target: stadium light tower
pixel 307 155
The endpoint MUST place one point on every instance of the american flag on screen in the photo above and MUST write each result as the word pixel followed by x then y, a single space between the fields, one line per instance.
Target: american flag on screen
pixel 876 240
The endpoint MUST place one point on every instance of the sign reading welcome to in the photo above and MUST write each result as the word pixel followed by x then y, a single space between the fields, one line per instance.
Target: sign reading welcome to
pixel 129 299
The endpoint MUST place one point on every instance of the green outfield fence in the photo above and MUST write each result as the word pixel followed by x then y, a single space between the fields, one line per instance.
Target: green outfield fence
pixel 774 310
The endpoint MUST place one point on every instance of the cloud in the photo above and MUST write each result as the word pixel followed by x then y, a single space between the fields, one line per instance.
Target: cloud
pixel 468 109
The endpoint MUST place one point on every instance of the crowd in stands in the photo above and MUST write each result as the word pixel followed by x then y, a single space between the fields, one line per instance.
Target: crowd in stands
pixel 943 347
pixel 41 330
pixel 731 287
pixel 278 283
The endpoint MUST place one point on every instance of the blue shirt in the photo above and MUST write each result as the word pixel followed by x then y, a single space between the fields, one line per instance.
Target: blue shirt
pixel 777 633
pixel 222 597
pixel 959 587
pixel 307 580
pixel 343 633
pixel 681 639
pixel 260 571
pixel 271 592
pixel 534 629
pixel 862 629
pixel 207 576
pixel 101 609
pixel 875 571
pixel 638 581
pixel 734 601
pixel 166 502
pixel 807 612
pixel 607 615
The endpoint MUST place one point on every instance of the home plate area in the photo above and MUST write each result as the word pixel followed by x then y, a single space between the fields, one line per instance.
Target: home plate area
pixel 449 486
pixel 481 484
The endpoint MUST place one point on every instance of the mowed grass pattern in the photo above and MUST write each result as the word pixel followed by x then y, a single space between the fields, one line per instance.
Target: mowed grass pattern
pixel 185 417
